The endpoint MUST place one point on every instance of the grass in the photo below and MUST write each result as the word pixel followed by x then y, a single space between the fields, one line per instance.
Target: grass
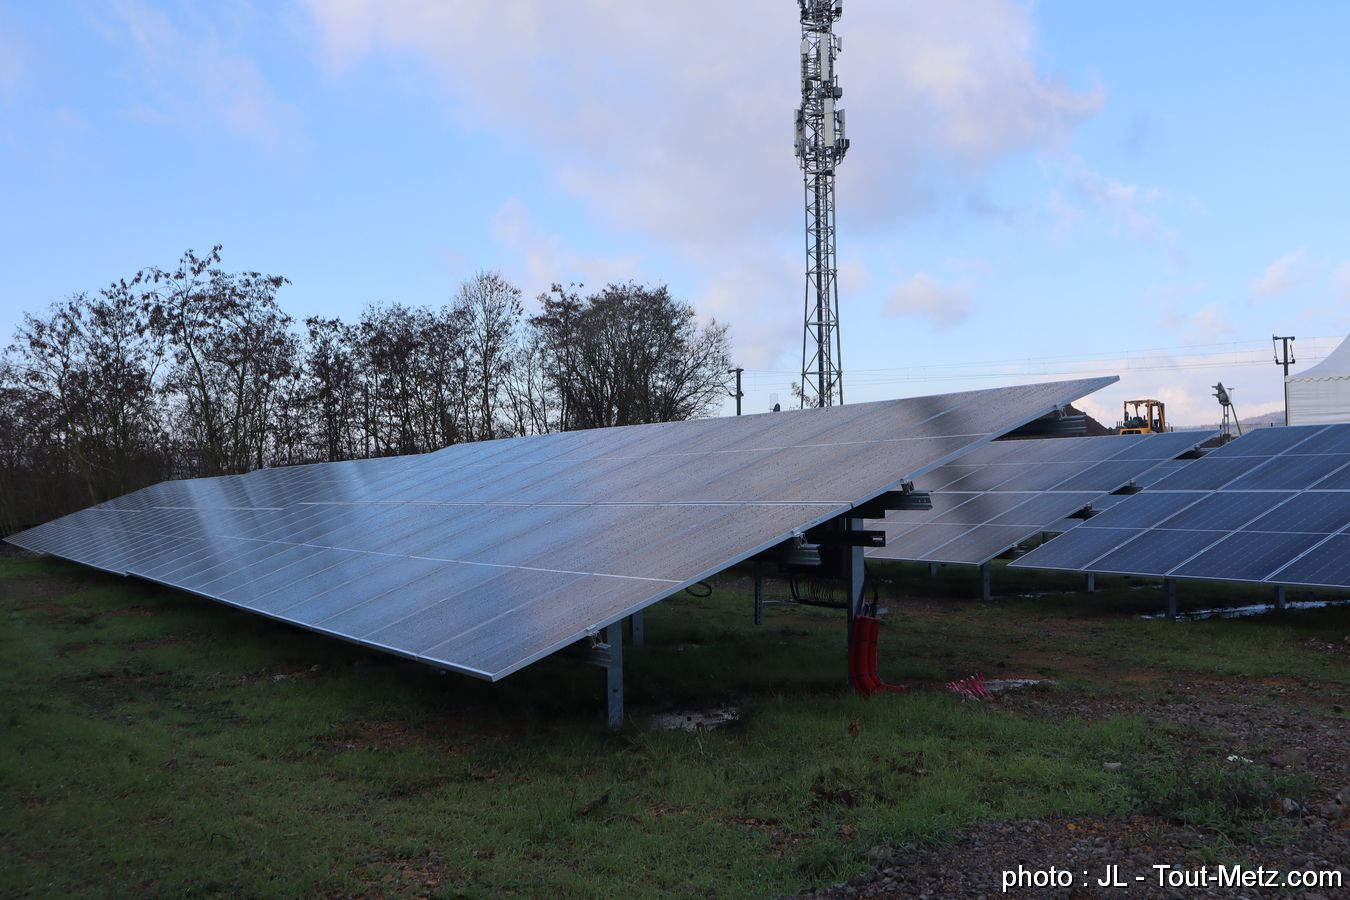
pixel 158 744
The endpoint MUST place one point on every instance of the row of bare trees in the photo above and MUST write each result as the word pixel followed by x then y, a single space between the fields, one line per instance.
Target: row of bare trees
pixel 199 371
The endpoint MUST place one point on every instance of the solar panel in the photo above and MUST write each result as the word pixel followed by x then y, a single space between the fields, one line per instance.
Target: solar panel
pixel 1272 506
pixel 484 557
pixel 1013 489
pixel 1248 556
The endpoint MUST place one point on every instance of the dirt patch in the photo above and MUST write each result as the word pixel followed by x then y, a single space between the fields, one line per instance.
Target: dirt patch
pixel 37 591
pixel 374 736
pixel 391 876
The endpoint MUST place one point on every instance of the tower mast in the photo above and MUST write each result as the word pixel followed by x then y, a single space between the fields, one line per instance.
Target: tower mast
pixel 820 145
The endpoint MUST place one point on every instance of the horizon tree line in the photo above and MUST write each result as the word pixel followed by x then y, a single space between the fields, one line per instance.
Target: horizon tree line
pixel 197 371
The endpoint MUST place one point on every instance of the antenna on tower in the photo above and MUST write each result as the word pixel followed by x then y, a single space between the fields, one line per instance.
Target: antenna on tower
pixel 820 145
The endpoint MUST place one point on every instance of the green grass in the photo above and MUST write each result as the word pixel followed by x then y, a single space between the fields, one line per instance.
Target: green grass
pixel 158 744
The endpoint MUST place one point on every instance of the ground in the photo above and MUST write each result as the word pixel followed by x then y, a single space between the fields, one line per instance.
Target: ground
pixel 158 744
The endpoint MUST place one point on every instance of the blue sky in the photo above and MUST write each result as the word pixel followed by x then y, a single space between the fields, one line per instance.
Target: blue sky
pixel 1033 190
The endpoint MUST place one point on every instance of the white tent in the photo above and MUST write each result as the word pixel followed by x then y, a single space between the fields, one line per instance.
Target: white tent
pixel 1321 395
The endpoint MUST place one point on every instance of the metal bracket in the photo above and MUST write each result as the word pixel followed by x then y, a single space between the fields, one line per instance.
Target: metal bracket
pixel 907 498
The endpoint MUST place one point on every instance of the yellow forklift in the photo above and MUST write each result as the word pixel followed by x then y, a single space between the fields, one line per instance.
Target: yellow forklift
pixel 1144 417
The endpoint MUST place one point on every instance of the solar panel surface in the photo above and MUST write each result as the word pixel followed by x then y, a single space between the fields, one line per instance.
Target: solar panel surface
pixel 1272 506
pixel 1005 492
pixel 483 558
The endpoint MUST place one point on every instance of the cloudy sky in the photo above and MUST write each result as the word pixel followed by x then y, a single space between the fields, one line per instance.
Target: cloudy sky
pixel 1033 191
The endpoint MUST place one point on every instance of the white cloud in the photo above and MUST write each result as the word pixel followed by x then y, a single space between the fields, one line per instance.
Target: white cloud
pixel 681 133
pixel 1281 276
pixel 193 82
pixel 924 298
pixel 683 130
pixel 542 258
pixel 1127 206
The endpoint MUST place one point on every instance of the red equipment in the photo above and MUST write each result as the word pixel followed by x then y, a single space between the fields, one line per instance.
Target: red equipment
pixel 862 658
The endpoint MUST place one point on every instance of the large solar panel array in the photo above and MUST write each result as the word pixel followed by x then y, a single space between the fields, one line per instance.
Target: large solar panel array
pixel 485 557
pixel 1003 493
pixel 1272 506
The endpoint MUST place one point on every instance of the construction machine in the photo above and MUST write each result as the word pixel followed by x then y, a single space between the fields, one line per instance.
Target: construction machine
pixel 1144 417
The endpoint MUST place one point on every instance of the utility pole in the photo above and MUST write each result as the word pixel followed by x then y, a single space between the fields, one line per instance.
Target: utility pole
pixel 737 370
pixel 1285 351
pixel 820 145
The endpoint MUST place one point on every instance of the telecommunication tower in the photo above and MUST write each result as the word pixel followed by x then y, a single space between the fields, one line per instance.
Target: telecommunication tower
pixel 820 145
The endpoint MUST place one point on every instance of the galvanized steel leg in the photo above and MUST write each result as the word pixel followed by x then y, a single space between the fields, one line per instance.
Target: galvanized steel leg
pixel 759 595
pixel 637 627
pixel 856 574
pixel 1092 582
pixel 1170 586
pixel 1279 596
pixel 614 675
pixel 986 584
pixel 932 570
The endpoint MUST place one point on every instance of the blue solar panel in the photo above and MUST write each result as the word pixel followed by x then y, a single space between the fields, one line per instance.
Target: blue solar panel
pixel 1336 481
pixel 1326 564
pixel 1288 473
pixel 1208 474
pixel 1142 511
pixel 1225 511
pixel 1313 512
pixel 1162 446
pixel 1248 556
pixel 1103 477
pixel 1075 549
pixel 1036 510
pixel 1267 441
pixel 1155 552
pixel 980 508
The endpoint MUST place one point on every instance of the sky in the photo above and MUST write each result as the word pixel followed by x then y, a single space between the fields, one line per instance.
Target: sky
pixel 1034 191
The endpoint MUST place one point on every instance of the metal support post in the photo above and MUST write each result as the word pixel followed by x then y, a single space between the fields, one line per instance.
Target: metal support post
pixel 636 627
pixel 986 583
pixel 1170 586
pixel 614 674
pixel 1091 582
pixel 759 594
pixel 855 575
pixel 932 570
pixel 1279 596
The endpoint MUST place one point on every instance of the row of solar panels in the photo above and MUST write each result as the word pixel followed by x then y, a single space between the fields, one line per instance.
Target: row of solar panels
pixel 483 558
pixel 1003 493
pixel 1272 506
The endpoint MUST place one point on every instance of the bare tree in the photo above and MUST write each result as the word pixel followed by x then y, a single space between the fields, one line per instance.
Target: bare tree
pixel 232 349
pixel 629 354
pixel 489 309
pixel 96 359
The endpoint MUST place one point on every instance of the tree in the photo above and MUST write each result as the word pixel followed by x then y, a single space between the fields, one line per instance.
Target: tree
pixel 488 308
pixel 332 389
pixel 96 359
pixel 232 351
pixel 628 355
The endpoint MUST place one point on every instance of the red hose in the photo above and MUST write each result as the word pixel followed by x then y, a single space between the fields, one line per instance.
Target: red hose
pixel 863 658
pixel 857 664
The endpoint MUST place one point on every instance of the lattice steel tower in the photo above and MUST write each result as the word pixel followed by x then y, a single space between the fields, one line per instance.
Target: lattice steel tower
pixel 820 146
